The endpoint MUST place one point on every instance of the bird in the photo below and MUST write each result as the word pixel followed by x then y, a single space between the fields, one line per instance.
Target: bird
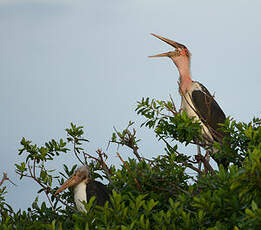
pixel 85 188
pixel 196 100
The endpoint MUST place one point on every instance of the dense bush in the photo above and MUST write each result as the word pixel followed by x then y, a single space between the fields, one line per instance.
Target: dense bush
pixel 157 193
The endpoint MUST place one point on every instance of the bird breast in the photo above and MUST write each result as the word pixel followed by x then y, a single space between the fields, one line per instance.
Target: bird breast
pixel 80 196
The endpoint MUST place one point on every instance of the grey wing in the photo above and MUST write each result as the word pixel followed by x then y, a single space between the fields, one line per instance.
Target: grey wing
pixel 209 110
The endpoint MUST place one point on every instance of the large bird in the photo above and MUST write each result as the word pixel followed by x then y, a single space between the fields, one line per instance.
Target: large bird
pixel 85 188
pixel 195 98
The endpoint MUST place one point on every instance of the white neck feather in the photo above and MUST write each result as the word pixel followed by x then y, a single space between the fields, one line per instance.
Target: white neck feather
pixel 80 196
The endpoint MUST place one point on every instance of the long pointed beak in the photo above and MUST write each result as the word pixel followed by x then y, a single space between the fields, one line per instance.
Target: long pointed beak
pixel 69 183
pixel 170 42
pixel 173 44
pixel 168 54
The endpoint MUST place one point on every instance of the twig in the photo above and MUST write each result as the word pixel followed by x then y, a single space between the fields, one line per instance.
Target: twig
pixel 125 164
pixel 46 188
pixel 175 109
pixel 169 109
pixel 75 152
pixel 6 178
pixel 207 166
pixel 51 203
pixel 66 204
pixel 104 165
pixel 185 163
pixel 129 141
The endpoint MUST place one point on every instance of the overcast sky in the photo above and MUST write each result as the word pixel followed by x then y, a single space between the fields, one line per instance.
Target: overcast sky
pixel 86 62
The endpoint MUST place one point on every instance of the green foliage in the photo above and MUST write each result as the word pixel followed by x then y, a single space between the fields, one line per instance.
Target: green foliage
pixel 166 192
pixel 159 115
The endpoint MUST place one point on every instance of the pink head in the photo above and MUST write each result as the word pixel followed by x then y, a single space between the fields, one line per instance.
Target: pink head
pixel 180 56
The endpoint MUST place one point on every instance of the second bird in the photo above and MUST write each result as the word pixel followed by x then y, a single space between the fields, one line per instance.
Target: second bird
pixel 85 188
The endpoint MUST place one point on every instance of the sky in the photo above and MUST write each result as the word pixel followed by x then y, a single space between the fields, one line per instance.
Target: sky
pixel 87 62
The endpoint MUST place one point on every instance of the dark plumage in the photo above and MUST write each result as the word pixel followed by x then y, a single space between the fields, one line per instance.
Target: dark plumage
pixel 99 190
pixel 209 111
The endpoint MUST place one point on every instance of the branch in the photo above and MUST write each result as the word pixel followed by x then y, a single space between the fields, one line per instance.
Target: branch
pixel 126 166
pixel 174 110
pixel 207 166
pixel 51 203
pixel 101 161
pixel 129 141
pixel 46 188
pixel 185 163
pixel 57 197
pixel 47 191
pixel 6 178
pixel 104 165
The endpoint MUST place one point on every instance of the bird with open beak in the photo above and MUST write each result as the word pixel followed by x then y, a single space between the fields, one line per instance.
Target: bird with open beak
pixel 195 98
pixel 85 188
pixel 181 58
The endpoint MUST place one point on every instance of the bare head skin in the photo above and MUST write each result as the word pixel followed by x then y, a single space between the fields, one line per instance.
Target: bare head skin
pixel 81 175
pixel 181 58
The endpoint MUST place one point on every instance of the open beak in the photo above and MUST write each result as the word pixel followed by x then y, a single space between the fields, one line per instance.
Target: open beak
pixel 170 42
pixel 73 180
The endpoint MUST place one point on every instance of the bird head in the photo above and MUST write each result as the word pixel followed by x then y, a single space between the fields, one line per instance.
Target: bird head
pixel 180 56
pixel 80 175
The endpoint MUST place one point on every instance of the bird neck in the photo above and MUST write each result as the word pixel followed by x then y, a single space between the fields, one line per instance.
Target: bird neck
pixel 183 65
pixel 80 196
pixel 185 82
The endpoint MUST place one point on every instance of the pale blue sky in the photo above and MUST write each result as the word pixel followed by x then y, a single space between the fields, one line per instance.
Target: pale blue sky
pixel 86 62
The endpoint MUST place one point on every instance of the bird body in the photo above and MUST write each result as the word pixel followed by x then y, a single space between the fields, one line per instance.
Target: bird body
pixel 99 190
pixel 199 103
pixel 85 188
pixel 195 98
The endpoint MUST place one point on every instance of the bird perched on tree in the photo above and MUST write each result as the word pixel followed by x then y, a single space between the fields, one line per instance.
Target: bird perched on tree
pixel 195 98
pixel 85 188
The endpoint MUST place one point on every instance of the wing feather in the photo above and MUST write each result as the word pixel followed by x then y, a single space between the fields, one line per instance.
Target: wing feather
pixel 209 110
pixel 99 190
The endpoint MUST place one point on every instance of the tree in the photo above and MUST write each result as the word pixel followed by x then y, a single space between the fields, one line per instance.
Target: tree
pixel 156 193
